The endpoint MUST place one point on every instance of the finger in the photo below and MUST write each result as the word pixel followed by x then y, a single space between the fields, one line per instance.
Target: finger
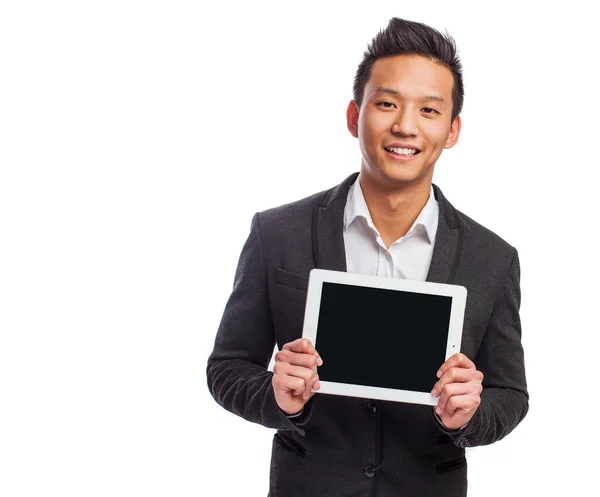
pixel 457 360
pixel 303 346
pixel 305 360
pixel 286 383
pixel 449 391
pixel 465 403
pixel 285 368
pixel 308 376
pixel 455 390
pixel 456 375
pixel 313 384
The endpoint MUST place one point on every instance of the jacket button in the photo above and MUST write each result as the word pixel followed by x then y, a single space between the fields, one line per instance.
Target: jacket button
pixel 369 472
pixel 372 406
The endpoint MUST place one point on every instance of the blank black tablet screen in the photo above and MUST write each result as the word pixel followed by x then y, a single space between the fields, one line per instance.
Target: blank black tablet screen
pixel 382 338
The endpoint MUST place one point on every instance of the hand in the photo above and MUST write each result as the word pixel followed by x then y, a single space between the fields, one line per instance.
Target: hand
pixel 459 390
pixel 295 374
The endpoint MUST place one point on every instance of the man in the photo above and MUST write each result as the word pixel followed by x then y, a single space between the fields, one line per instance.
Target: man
pixel 389 221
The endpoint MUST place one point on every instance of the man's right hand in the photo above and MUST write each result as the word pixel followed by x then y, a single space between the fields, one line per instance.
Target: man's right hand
pixel 295 375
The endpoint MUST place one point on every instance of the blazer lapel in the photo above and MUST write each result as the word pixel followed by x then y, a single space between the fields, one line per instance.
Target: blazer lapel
pixel 328 228
pixel 448 242
pixel 328 234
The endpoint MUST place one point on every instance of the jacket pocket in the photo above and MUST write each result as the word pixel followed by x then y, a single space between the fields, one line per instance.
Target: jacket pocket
pixel 291 280
pixel 448 466
pixel 289 445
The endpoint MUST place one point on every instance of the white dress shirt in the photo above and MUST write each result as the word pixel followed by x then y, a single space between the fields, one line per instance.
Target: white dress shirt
pixel 409 257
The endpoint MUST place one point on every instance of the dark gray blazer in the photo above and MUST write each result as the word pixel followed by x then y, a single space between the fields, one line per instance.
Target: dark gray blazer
pixel 343 446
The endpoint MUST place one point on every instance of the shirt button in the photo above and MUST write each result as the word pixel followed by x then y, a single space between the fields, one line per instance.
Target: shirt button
pixel 369 472
pixel 372 406
pixel 388 256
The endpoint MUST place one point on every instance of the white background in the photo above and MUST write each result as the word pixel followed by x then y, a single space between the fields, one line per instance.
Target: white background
pixel 137 139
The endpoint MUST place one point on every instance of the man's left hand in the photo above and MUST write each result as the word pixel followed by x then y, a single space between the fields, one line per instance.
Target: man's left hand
pixel 459 390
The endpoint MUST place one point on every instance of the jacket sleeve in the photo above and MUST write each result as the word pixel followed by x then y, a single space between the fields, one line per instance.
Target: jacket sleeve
pixel 504 399
pixel 237 373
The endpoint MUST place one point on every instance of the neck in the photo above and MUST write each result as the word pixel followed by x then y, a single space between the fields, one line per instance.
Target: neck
pixel 394 209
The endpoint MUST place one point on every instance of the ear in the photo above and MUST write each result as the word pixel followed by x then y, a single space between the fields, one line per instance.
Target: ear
pixel 454 133
pixel 352 118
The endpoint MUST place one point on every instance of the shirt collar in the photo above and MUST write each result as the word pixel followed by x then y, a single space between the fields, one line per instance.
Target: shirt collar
pixel 426 222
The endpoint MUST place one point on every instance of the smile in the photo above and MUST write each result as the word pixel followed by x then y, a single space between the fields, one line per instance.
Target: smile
pixel 401 152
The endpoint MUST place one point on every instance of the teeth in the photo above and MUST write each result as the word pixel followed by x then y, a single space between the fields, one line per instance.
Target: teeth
pixel 403 151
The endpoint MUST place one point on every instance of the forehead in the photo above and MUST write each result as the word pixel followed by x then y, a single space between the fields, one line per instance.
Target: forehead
pixel 412 76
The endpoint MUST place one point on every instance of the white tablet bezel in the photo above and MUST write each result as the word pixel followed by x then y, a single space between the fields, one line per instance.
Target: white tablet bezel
pixel 311 319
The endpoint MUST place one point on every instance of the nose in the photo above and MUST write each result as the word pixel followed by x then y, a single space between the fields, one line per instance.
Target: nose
pixel 405 123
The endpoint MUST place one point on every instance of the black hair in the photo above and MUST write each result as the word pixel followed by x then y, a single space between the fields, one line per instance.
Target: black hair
pixel 402 37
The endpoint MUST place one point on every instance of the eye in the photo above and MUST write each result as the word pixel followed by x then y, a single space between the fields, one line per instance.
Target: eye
pixel 429 110
pixel 387 105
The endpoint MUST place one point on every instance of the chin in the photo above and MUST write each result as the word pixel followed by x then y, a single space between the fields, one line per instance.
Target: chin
pixel 394 176
pixel 386 172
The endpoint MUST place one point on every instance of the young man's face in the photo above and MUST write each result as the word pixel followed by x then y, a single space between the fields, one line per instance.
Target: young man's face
pixel 407 104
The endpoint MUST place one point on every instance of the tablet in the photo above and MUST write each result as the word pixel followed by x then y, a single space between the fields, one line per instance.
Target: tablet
pixel 382 338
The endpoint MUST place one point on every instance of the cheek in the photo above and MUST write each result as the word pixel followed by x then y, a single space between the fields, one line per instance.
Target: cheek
pixel 436 137
pixel 365 136
pixel 440 133
pixel 371 131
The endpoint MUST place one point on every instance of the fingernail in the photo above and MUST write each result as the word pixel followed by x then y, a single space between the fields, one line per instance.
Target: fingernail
pixel 438 411
pixel 319 361
pixel 435 392
pixel 439 373
pixel 317 385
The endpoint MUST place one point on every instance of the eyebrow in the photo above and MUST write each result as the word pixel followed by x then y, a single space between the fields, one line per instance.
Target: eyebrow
pixel 382 89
